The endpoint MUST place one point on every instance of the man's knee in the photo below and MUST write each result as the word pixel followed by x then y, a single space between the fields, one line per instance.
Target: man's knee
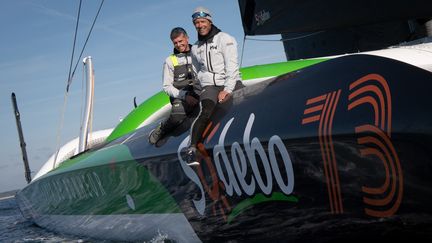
pixel 177 118
pixel 207 108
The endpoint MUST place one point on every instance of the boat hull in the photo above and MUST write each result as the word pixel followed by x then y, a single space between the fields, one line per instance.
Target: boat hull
pixel 337 149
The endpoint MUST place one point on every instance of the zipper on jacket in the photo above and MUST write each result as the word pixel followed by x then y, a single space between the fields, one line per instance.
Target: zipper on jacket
pixel 207 58
pixel 210 67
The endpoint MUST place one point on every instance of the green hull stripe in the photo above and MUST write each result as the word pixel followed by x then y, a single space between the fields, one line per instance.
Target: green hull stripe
pixel 139 114
pixel 276 69
pixel 257 199
pixel 105 182
pixel 157 101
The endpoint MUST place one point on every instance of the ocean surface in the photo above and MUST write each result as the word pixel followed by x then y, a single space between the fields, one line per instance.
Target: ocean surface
pixel 15 228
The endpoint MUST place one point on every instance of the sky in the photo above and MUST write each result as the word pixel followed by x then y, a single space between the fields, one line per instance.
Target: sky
pixel 128 46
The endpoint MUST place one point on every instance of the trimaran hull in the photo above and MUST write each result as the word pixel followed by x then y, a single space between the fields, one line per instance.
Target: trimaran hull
pixel 336 149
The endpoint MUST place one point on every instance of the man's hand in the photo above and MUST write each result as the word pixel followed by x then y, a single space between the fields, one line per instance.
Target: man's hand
pixel 191 100
pixel 223 96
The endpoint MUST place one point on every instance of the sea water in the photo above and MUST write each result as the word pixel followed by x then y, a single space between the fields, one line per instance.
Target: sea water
pixel 15 228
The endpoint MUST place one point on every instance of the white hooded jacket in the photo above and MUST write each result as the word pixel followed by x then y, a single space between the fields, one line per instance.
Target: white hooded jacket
pixel 216 62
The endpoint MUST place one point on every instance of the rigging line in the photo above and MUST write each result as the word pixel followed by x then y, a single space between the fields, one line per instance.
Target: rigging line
pixel 303 36
pixel 60 128
pixel 88 36
pixel 73 47
pixel 261 39
pixel 241 58
pixel 288 39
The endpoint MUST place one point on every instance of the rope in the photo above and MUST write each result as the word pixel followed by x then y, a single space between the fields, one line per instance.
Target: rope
pixel 73 47
pixel 71 74
pixel 60 128
pixel 261 39
pixel 288 39
pixel 241 58
pixel 303 36
pixel 88 36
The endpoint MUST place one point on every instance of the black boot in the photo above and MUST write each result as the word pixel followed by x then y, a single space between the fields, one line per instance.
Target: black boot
pixel 191 156
pixel 156 134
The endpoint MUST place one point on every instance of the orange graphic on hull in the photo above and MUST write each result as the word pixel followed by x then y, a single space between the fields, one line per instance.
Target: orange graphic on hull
pixel 220 203
pixel 373 89
pixel 323 110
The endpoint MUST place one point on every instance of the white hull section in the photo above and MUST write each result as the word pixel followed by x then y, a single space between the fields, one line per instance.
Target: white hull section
pixel 418 55
pixel 70 149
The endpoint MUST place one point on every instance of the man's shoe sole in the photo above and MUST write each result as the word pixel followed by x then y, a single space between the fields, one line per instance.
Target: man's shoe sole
pixel 149 137
pixel 193 163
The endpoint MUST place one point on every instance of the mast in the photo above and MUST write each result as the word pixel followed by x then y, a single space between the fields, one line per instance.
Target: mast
pixel 86 122
pixel 21 138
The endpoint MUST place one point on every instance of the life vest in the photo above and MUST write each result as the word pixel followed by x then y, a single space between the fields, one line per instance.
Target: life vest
pixel 183 73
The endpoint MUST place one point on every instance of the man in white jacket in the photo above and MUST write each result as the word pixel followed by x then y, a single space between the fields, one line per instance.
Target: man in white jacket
pixel 179 83
pixel 214 58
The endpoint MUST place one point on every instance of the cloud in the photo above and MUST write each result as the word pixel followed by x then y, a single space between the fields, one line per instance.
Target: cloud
pixel 52 12
pixel 32 64
pixel 99 25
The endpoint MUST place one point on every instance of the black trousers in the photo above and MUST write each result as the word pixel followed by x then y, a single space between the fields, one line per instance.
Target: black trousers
pixel 179 111
pixel 208 102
